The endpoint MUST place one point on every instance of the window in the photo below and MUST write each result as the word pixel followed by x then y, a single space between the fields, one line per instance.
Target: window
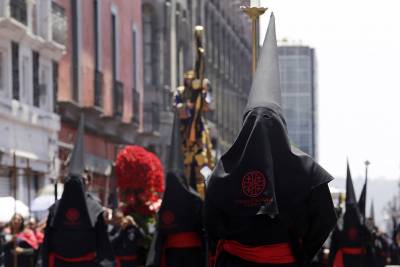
pixel 96 31
pixel 55 85
pixel 43 87
pixel 35 73
pixel 58 23
pixel 15 70
pixel 114 45
pixel 75 50
pixel 149 45
pixel 98 80
pixel 18 10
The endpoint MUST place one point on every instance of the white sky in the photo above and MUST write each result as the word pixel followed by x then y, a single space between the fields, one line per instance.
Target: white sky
pixel 357 44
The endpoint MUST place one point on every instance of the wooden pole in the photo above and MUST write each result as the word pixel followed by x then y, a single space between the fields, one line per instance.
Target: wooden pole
pixel 14 181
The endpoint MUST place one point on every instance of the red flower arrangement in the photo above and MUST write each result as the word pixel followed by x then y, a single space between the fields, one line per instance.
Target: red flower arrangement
pixel 140 178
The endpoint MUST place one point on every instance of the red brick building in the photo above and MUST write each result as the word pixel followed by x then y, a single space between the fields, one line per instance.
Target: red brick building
pixel 101 75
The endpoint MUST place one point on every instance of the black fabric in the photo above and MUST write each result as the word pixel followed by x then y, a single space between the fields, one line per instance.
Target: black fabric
pixel 75 202
pixel 181 211
pixel 286 200
pixel 362 202
pixel 127 241
pixel 184 257
pixel 181 208
pixel 234 261
pixel 71 241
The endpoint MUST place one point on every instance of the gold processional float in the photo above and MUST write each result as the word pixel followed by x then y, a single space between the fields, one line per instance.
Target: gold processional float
pixel 192 100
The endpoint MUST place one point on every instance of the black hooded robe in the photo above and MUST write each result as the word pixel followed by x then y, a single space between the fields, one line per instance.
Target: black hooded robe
pixel 76 234
pixel 179 221
pixel 125 246
pixel 292 206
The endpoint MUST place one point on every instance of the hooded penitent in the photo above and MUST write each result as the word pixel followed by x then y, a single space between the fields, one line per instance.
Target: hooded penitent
pixel 263 175
pixel 362 201
pixel 351 246
pixel 179 235
pixel 74 230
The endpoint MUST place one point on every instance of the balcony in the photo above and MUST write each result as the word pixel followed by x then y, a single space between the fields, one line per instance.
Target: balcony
pixel 118 97
pixel 151 118
pixel 136 107
pixel 98 89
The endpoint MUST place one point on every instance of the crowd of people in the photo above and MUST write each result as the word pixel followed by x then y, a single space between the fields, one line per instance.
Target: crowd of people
pixel 21 241
pixel 267 204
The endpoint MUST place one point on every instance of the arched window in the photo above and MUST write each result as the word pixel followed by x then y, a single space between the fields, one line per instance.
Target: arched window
pixel 149 45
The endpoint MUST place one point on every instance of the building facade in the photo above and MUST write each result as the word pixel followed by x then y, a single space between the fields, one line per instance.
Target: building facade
pixel 228 66
pixel 298 82
pixel 31 45
pixel 101 75
pixel 168 44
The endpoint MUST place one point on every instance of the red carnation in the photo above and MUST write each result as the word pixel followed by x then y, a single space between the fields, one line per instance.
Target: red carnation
pixel 140 179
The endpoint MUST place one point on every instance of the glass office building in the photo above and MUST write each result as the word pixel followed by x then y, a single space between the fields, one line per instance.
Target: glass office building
pixel 298 83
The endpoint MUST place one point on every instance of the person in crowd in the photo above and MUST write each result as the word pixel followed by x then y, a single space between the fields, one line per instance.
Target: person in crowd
pixel 179 238
pixel 76 234
pixel 20 245
pixel 267 203
pixel 395 246
pixel 126 242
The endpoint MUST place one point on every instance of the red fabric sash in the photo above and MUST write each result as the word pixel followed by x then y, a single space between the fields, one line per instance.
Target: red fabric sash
pixel 180 240
pixel 280 253
pixel 119 259
pixel 183 240
pixel 85 258
pixel 338 262
pixel 29 237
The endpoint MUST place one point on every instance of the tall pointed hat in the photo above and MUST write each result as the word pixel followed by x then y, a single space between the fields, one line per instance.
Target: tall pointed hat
pixel 362 201
pixel 350 193
pixel 265 89
pixel 76 210
pixel 175 159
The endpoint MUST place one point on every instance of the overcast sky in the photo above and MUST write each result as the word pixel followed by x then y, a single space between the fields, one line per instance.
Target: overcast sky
pixel 357 45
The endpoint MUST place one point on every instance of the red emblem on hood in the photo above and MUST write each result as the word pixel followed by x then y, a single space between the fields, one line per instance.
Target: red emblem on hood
pixel 72 215
pixel 253 183
pixel 352 234
pixel 167 217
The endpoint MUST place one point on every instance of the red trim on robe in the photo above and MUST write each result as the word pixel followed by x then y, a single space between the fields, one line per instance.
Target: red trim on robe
pixel 280 253
pixel 180 240
pixel 85 258
pixel 119 259
pixel 338 262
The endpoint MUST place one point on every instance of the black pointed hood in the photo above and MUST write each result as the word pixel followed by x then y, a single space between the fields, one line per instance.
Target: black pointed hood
pixel 352 220
pixel 76 209
pixel 175 159
pixel 362 201
pixel 181 207
pixel 262 173
pixel 350 193
pixel 265 89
